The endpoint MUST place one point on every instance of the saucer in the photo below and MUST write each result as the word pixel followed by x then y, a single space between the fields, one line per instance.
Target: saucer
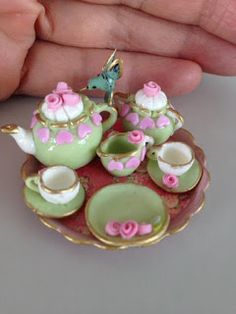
pixel 182 207
pixel 43 208
pixel 122 202
pixel 186 182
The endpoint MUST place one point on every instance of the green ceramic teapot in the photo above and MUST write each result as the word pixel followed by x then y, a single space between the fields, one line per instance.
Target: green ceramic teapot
pixel 66 129
pixel 149 111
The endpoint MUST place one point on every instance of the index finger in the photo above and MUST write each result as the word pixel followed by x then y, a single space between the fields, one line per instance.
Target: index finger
pixel 218 17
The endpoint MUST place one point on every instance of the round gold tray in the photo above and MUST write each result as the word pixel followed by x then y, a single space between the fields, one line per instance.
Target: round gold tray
pixel 181 207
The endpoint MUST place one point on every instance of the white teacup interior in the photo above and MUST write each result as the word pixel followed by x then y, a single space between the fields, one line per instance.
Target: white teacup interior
pixel 176 153
pixel 59 178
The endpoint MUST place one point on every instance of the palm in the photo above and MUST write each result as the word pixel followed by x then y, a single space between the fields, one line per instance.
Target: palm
pixel 171 42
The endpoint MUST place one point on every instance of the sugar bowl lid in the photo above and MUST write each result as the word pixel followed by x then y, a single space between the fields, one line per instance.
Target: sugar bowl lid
pixel 151 97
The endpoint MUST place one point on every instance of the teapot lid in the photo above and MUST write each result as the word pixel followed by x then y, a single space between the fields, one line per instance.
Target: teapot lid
pixel 151 97
pixel 62 105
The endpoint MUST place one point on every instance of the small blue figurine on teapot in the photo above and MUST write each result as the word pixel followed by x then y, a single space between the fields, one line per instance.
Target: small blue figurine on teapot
pixel 67 127
pixel 106 80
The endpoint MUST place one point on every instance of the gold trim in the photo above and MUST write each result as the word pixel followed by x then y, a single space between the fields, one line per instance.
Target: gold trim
pixel 23 172
pixel 103 246
pixel 10 129
pixel 175 165
pixel 39 118
pixel 59 191
pixel 72 239
pixel 178 192
pixel 180 117
pixel 141 108
pixel 121 64
pixel 117 242
pixel 40 214
pixel 111 248
pixel 123 96
pixel 111 57
pixel 71 123
pixel 95 243
pixel 82 89
pixel 187 221
pixel 101 153
pixel 36 211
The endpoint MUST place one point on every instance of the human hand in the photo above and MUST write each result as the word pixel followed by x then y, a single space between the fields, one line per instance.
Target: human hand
pixel 171 42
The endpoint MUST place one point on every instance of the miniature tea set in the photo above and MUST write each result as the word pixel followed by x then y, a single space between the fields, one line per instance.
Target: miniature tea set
pixel 126 180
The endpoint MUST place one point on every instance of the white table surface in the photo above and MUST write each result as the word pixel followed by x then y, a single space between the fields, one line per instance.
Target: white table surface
pixel 191 272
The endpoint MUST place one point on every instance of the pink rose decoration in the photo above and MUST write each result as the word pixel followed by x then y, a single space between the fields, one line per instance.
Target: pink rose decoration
pixel 128 229
pixel 136 137
pixel 113 228
pixel 144 229
pixel 62 88
pixel 170 180
pixel 54 101
pixel 151 89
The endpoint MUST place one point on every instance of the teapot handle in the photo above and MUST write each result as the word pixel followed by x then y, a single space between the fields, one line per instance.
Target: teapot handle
pixel 177 118
pixel 111 120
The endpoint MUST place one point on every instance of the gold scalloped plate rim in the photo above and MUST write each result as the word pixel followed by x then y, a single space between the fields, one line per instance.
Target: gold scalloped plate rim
pixel 96 243
pixel 103 246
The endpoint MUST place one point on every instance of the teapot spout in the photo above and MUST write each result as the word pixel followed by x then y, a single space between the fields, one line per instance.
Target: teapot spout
pixel 23 138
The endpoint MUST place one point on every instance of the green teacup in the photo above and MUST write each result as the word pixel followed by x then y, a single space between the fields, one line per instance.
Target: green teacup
pixel 122 153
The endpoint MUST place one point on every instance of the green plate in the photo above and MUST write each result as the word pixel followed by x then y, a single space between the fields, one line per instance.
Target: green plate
pixel 123 202
pixel 187 181
pixel 43 208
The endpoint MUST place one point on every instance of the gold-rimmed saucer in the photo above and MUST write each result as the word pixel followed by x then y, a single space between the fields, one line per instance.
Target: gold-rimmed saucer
pixel 123 202
pixel 187 181
pixel 45 209
pixel 182 207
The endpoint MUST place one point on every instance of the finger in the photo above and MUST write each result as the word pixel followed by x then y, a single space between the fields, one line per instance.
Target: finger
pixel 48 63
pixel 215 16
pixel 122 28
pixel 16 37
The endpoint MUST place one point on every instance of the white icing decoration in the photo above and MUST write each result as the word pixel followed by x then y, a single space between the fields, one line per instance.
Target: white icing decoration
pixel 63 114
